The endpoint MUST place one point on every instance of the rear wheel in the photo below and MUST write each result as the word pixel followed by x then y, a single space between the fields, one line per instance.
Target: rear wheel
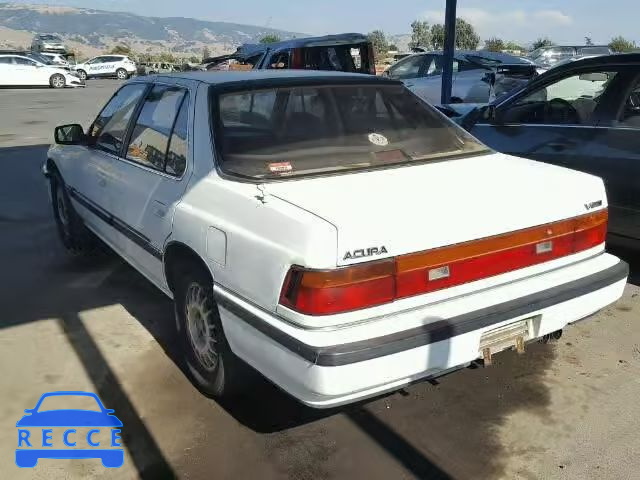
pixel 122 74
pixel 82 74
pixel 57 81
pixel 215 369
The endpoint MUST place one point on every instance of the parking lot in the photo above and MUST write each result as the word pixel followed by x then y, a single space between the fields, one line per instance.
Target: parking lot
pixel 565 410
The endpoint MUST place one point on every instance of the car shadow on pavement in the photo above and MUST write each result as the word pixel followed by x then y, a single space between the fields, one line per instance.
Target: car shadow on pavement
pixel 446 428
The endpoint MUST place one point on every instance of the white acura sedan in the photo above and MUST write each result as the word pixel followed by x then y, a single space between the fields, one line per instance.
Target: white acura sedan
pixel 21 71
pixel 330 230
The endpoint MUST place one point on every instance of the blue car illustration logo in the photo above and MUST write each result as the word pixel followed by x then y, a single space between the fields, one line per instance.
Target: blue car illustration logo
pixel 35 432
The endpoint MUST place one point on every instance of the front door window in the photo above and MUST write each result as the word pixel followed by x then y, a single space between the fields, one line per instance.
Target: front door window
pixel 569 101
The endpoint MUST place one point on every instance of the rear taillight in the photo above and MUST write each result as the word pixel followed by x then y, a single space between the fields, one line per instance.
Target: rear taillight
pixel 324 292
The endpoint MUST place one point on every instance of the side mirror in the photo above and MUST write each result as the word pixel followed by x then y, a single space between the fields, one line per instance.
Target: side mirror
pixel 594 77
pixel 72 134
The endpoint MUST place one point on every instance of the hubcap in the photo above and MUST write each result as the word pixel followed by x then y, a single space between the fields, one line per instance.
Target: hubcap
pixel 200 327
pixel 58 82
pixel 121 74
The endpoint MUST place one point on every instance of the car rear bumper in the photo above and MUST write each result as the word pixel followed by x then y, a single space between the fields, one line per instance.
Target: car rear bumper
pixel 325 368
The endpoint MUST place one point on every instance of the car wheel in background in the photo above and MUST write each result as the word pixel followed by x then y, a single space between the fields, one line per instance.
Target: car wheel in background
pixel 76 238
pixel 82 74
pixel 214 368
pixel 57 80
pixel 122 74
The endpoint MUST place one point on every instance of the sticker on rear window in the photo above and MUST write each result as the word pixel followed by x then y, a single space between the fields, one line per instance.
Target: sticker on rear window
pixel 280 167
pixel 378 139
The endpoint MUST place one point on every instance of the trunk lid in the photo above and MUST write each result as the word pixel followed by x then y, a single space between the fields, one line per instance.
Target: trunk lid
pixel 421 207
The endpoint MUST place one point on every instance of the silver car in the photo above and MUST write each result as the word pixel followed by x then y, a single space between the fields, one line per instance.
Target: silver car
pixel 44 42
pixel 478 76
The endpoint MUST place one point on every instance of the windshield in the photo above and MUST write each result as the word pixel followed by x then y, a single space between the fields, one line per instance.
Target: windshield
pixel 537 53
pixel 287 132
pixel 50 38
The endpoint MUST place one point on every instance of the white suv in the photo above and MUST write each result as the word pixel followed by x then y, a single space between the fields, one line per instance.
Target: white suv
pixel 330 230
pixel 118 66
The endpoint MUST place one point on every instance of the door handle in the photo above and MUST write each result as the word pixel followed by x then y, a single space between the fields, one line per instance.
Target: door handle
pixel 561 146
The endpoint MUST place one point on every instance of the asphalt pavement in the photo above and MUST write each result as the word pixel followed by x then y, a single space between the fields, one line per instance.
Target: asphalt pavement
pixel 566 410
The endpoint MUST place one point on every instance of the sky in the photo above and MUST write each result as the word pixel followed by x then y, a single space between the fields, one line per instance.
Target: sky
pixel 564 21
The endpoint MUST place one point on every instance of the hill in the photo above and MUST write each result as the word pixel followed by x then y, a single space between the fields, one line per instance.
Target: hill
pixel 90 30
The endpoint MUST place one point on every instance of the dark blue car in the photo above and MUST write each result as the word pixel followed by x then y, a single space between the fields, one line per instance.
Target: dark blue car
pixel 584 115
pixel 28 457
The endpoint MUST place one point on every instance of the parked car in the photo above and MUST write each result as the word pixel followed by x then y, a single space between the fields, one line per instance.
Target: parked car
pixel 547 57
pixel 347 52
pixel 277 210
pixel 151 68
pixel 118 66
pixel 583 115
pixel 478 76
pixel 23 71
pixel 59 59
pixel 46 42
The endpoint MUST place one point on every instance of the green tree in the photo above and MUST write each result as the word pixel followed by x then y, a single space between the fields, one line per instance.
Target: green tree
pixel 466 36
pixel 620 44
pixel 588 41
pixel 270 38
pixel 542 42
pixel 393 47
pixel 205 53
pixel 194 59
pixel 379 42
pixel 494 44
pixel 437 36
pixel 420 34
pixel 121 50
pixel 513 46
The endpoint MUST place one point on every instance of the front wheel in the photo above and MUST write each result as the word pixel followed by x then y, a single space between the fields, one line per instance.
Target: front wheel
pixel 76 238
pixel 82 74
pixel 122 74
pixel 215 369
pixel 57 81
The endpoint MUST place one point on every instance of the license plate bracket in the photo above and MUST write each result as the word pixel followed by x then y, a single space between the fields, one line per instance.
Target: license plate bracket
pixel 513 335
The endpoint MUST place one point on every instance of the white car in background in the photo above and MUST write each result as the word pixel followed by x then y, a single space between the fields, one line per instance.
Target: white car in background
pixel 329 230
pixel 118 66
pixel 22 71
pixel 56 59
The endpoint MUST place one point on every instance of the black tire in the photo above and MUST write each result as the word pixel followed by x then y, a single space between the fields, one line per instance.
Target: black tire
pixel 76 238
pixel 121 74
pixel 57 80
pixel 230 376
pixel 82 73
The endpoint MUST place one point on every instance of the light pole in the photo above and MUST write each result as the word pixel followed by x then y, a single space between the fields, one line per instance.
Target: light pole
pixel 449 48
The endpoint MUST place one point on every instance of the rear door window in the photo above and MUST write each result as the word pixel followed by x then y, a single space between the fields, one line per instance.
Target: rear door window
pixel 150 137
pixel 109 129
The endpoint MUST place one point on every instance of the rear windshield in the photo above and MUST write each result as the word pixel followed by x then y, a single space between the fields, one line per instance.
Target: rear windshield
pixel 287 132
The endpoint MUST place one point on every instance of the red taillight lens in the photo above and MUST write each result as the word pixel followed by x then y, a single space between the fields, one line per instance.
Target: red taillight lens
pixel 351 288
pixel 314 292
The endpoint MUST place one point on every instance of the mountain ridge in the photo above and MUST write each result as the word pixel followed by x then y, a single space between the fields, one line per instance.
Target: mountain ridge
pixel 101 29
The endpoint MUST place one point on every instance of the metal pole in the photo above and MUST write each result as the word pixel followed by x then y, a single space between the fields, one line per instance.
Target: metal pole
pixel 449 48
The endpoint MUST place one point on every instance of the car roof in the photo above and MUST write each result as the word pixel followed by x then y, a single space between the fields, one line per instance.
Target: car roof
pixel 249 50
pixel 270 77
pixel 497 56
